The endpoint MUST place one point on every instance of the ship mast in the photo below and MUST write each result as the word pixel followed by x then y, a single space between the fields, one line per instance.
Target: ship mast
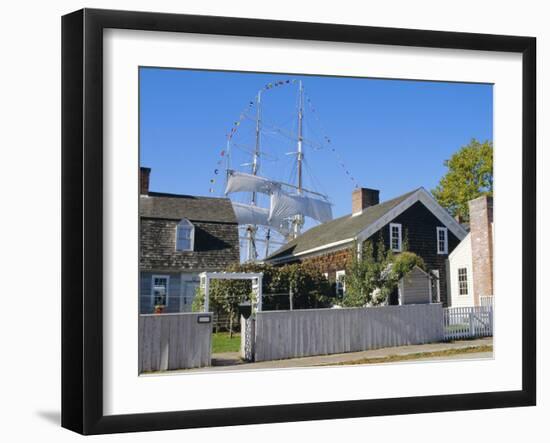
pixel 300 137
pixel 251 229
pixel 289 203
pixel 298 221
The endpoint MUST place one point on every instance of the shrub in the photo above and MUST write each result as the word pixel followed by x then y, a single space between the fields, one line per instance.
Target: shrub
pixel 308 286
pixel 373 276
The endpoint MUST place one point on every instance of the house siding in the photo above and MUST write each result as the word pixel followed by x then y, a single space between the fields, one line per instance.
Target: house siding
pixel 419 227
pixel 180 286
pixel 146 300
pixel 461 258
pixel 331 262
pixel 418 230
pixel 216 246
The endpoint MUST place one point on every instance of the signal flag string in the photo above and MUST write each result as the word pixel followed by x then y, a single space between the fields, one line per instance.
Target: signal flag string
pixel 327 139
pixel 224 153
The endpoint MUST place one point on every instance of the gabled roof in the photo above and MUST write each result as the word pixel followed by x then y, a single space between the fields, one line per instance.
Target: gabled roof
pixel 361 226
pixel 339 229
pixel 193 208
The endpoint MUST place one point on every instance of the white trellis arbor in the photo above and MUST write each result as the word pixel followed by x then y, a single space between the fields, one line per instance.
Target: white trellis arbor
pixel 256 278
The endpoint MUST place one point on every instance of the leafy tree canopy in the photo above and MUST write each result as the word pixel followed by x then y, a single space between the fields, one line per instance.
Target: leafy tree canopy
pixel 469 175
pixel 404 262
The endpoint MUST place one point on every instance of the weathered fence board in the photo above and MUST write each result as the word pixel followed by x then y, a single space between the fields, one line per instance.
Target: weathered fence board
pixel 300 333
pixel 468 322
pixel 173 341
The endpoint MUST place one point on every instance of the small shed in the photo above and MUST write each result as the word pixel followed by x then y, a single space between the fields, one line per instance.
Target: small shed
pixel 415 288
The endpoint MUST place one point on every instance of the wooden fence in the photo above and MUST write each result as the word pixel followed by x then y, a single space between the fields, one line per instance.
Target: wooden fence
pixel 468 322
pixel 174 341
pixel 301 333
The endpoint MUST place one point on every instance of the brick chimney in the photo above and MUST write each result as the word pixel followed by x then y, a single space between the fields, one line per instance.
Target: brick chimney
pixel 481 232
pixel 362 198
pixel 144 180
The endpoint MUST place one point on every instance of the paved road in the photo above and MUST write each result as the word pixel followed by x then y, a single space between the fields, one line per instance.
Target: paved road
pixel 230 361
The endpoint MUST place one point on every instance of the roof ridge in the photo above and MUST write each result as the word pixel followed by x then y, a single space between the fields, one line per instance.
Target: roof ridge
pixel 344 226
pixel 170 195
pixel 373 206
pixel 385 202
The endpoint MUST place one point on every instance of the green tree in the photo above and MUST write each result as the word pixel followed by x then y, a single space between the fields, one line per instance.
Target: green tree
pixel 365 274
pixel 306 285
pixel 224 297
pixel 401 265
pixel 469 175
pixel 358 276
pixel 309 287
pixel 372 277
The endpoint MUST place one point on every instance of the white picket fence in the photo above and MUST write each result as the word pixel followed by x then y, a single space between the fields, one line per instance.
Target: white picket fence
pixel 174 341
pixel 468 322
pixel 276 335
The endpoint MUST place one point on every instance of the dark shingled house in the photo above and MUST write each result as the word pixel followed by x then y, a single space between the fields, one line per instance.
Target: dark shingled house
pixel 181 236
pixel 415 217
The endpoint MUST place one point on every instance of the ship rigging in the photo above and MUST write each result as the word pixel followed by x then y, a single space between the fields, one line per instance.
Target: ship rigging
pixel 272 211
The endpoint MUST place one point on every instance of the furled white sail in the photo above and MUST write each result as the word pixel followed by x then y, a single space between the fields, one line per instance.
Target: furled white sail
pixel 254 215
pixel 243 182
pixel 285 205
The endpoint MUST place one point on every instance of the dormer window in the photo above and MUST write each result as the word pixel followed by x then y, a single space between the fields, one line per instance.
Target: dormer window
pixel 185 235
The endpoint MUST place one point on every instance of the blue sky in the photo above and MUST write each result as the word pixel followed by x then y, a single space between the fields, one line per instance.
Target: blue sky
pixel 391 135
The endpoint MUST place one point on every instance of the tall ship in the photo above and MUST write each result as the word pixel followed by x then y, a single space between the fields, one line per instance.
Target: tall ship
pixel 266 169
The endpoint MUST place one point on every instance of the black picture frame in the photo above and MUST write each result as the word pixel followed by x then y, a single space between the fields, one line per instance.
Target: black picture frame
pixel 82 216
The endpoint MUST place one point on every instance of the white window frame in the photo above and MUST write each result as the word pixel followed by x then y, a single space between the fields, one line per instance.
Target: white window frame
pixel 187 223
pixel 399 238
pixel 167 277
pixel 445 250
pixel 467 281
pixel 340 284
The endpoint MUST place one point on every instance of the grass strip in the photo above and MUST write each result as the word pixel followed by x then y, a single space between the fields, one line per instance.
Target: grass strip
pixel 222 343
pixel 415 356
